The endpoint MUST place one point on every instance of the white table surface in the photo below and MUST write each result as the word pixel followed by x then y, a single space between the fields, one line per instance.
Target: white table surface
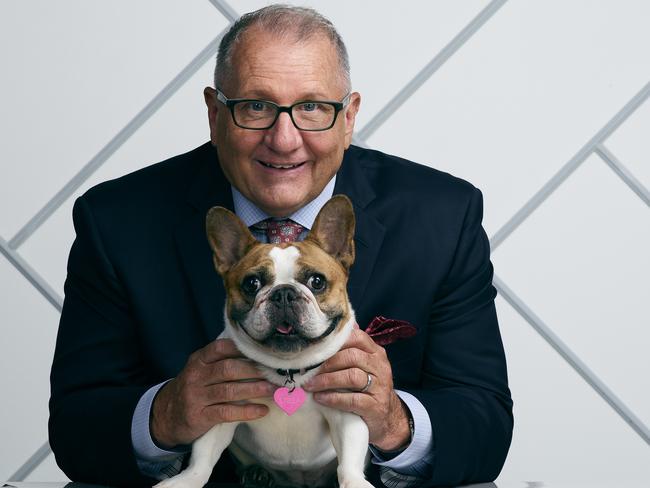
pixel 522 484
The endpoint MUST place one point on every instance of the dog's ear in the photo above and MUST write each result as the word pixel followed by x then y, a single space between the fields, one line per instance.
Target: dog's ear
pixel 333 230
pixel 229 238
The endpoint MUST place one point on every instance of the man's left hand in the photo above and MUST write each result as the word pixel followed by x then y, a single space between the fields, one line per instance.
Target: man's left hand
pixel 342 378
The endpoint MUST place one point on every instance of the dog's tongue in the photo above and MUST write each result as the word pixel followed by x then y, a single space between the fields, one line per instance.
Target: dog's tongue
pixel 284 328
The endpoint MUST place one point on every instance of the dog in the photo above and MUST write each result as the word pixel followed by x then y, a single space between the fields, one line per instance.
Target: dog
pixel 288 310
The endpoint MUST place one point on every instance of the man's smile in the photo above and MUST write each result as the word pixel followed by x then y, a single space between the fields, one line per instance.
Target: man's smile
pixel 281 166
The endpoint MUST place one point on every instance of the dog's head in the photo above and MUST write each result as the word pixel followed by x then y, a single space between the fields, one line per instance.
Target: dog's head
pixel 287 304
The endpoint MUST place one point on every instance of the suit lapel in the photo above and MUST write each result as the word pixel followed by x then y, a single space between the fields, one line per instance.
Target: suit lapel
pixel 210 188
pixel 369 234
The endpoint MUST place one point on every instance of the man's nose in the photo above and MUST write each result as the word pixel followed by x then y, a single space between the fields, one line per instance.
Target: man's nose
pixel 283 136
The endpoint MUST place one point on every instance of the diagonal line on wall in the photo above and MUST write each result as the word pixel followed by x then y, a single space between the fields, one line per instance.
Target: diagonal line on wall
pixel 32 463
pixel 116 142
pixel 619 168
pixel 448 51
pixel 570 357
pixel 57 302
pixel 31 275
pixel 359 142
pixel 226 10
pixel 566 170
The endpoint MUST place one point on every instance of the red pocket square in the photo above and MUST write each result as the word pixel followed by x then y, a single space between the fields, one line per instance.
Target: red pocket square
pixel 385 331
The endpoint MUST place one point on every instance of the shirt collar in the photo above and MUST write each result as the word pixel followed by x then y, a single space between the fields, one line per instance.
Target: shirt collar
pixel 250 214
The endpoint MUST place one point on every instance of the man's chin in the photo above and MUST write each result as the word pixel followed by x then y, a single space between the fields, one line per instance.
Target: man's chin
pixel 283 206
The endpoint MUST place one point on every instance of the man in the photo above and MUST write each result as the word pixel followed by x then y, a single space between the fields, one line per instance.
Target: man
pixel 142 295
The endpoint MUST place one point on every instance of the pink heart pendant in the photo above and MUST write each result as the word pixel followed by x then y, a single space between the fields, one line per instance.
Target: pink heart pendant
pixel 289 401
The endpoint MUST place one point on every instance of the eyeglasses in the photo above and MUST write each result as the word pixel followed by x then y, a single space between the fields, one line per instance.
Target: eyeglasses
pixel 309 115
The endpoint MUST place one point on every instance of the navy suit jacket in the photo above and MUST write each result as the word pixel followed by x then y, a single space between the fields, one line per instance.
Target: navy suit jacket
pixel 142 294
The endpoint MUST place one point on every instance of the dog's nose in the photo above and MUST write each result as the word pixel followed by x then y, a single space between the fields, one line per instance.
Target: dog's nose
pixel 283 296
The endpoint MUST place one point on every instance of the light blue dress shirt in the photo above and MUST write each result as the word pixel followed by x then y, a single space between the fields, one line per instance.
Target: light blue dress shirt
pixel 159 463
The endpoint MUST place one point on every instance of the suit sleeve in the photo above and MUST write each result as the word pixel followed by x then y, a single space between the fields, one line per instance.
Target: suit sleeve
pixel 464 385
pixel 97 375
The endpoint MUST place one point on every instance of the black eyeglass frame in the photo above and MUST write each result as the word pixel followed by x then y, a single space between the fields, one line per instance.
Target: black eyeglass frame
pixel 231 102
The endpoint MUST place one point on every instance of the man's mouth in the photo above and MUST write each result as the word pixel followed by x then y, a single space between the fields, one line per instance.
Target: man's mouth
pixel 281 166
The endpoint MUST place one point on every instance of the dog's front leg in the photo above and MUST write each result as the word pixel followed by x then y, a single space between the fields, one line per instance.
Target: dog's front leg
pixel 206 451
pixel 350 438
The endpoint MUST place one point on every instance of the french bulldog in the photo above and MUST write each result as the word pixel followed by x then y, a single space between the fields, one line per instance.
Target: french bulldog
pixel 287 310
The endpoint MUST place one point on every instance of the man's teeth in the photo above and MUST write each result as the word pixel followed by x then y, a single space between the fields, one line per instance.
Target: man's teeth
pixel 280 166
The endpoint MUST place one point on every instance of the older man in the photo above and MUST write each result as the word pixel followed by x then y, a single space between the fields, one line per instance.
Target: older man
pixel 142 296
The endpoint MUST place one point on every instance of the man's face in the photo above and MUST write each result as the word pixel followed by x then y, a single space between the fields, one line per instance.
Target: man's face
pixel 283 72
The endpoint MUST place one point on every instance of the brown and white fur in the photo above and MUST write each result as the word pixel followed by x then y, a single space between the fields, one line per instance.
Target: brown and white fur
pixel 286 308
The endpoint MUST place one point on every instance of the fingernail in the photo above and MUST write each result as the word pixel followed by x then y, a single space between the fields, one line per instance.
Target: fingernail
pixel 320 397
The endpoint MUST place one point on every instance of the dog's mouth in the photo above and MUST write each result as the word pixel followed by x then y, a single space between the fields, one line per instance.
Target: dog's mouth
pixel 285 328
pixel 286 337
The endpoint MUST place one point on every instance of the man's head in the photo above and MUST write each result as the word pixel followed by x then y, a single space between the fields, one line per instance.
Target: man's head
pixel 282 55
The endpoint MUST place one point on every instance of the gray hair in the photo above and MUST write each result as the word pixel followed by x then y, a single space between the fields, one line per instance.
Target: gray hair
pixel 301 23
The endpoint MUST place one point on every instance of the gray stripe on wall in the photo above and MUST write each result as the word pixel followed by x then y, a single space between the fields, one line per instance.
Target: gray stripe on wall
pixel 574 361
pixel 412 86
pixel 32 463
pixel 619 168
pixel 31 275
pixel 566 170
pixel 115 143
pixel 226 10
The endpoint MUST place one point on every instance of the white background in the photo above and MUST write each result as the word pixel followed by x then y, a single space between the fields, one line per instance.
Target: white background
pixel 515 103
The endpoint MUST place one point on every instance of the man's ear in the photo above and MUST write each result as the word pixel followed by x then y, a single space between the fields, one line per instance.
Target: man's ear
pixel 333 230
pixel 350 114
pixel 229 238
pixel 210 97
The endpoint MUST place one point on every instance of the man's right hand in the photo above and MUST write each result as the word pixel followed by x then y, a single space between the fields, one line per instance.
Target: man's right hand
pixel 204 392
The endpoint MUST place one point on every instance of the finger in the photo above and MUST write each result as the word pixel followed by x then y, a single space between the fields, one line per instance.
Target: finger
pixel 230 412
pixel 349 402
pixel 217 350
pixel 230 370
pixel 238 391
pixel 348 358
pixel 354 379
pixel 361 340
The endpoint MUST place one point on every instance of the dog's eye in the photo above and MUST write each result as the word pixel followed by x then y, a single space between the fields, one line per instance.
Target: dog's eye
pixel 251 285
pixel 316 282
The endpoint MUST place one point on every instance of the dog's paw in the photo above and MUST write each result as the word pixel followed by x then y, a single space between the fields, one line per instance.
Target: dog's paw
pixel 183 480
pixel 354 482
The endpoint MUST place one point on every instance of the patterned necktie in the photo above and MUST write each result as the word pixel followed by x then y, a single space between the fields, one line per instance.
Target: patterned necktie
pixel 279 231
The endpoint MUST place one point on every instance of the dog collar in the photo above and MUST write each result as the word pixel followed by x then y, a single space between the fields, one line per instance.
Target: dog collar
pixel 288 373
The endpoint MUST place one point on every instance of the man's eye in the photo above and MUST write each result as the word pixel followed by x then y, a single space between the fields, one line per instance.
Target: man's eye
pixel 316 282
pixel 256 106
pixel 309 106
pixel 251 285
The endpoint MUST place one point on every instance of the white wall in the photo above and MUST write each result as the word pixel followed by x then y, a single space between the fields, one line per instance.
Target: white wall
pixel 507 111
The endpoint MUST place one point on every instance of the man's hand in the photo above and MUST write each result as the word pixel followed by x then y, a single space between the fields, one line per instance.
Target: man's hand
pixel 379 405
pixel 204 392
